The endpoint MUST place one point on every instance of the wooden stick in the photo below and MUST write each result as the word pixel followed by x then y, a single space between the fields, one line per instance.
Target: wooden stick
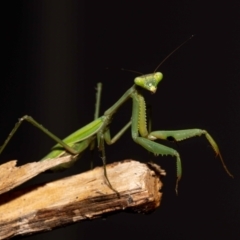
pixel 79 197
pixel 12 176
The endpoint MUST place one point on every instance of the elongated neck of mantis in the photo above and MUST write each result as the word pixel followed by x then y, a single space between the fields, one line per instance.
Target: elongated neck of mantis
pixel 120 102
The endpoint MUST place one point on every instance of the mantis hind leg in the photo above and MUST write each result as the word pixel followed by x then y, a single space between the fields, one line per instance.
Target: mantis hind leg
pixel 180 135
pixel 43 129
pixel 69 149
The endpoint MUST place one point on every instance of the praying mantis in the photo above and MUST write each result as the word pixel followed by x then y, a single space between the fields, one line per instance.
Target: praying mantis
pixel 99 129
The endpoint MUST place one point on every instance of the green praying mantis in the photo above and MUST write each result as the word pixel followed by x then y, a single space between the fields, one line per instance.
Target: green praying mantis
pixel 99 129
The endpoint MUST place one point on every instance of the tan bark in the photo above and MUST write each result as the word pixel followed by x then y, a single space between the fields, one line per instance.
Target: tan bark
pixel 79 197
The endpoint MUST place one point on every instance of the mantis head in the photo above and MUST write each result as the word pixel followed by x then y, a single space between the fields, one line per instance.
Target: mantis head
pixel 149 81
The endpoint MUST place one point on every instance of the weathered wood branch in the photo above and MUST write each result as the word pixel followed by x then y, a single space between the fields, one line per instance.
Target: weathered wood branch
pixel 80 197
pixel 12 176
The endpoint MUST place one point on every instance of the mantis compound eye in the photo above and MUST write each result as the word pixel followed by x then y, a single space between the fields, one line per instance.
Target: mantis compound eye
pixel 149 81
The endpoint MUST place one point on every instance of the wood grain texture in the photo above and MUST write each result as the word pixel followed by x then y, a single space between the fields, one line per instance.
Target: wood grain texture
pixel 80 197
pixel 12 176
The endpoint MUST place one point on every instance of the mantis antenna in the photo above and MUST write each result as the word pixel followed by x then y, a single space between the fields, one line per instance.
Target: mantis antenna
pixel 127 70
pixel 171 53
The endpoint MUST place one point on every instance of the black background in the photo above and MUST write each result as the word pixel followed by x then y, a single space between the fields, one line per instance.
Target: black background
pixel 54 53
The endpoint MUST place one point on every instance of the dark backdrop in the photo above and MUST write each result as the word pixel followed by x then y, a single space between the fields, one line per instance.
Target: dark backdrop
pixel 55 52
